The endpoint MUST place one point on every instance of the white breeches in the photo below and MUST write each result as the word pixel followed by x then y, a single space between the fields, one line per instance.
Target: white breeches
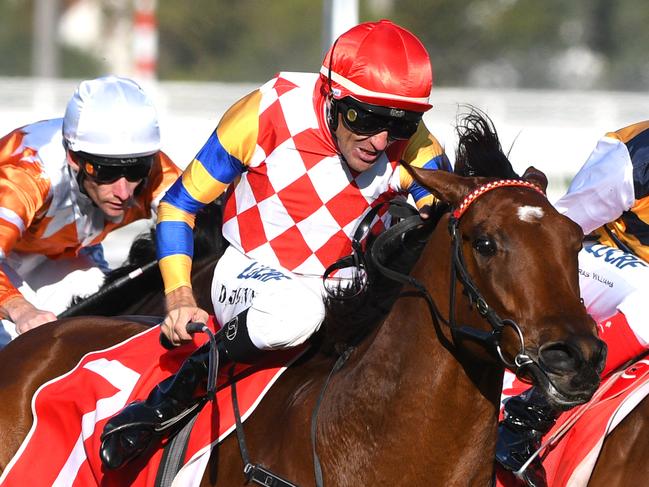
pixel 49 284
pixel 612 280
pixel 284 309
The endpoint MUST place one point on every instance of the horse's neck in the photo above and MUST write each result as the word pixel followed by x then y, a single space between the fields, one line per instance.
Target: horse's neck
pixel 405 383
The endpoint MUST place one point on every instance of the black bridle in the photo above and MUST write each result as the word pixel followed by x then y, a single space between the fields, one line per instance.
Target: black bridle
pixel 377 252
pixel 490 339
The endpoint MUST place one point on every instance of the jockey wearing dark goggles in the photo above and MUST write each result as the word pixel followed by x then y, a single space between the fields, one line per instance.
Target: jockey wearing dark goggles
pixel 365 119
pixel 107 170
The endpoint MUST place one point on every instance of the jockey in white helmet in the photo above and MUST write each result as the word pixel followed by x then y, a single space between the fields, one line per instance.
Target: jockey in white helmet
pixel 64 185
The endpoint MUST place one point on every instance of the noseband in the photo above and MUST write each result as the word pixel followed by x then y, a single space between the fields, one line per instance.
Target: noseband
pixel 491 340
pixel 458 272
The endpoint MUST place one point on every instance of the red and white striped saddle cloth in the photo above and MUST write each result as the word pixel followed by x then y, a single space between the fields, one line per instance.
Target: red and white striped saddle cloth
pixel 571 448
pixel 62 447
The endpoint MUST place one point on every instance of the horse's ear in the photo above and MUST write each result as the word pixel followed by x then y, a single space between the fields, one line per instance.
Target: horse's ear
pixel 446 186
pixel 535 176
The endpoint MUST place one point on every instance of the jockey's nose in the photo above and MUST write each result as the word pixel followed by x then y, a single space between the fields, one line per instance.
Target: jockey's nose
pixel 380 141
pixel 122 189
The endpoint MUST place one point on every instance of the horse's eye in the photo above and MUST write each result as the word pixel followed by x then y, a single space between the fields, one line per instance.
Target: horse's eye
pixel 485 246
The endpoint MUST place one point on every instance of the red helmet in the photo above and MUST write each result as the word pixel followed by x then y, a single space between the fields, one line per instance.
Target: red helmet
pixel 381 64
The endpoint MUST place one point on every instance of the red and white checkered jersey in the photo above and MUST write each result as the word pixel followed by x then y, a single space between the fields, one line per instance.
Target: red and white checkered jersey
pixel 293 201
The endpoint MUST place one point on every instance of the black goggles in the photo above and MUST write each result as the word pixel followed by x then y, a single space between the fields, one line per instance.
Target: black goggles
pixel 106 170
pixel 366 119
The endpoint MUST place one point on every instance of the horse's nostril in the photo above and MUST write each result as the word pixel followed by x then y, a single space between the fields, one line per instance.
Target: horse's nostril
pixel 600 360
pixel 558 357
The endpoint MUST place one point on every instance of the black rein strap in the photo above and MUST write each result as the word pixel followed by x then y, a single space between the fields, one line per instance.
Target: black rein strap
pixel 253 472
pixel 397 208
pixel 490 340
pixel 342 359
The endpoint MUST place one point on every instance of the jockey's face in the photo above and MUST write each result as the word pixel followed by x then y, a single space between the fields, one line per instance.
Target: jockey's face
pixel 114 198
pixel 360 151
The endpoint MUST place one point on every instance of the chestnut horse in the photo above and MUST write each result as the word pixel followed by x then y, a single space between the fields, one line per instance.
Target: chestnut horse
pixel 417 401
pixel 623 459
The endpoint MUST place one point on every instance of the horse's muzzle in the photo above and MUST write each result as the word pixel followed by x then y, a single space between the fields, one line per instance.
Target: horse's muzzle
pixel 568 371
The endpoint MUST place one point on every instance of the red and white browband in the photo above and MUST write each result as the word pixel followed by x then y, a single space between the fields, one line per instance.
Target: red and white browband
pixel 476 193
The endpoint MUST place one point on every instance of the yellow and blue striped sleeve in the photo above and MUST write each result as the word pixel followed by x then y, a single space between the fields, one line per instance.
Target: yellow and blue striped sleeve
pixel 423 151
pixel 225 155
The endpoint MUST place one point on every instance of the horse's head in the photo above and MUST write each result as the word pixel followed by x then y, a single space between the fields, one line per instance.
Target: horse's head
pixel 515 258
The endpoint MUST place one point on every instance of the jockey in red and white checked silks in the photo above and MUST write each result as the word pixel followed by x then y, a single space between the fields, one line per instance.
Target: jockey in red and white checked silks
pixel 292 200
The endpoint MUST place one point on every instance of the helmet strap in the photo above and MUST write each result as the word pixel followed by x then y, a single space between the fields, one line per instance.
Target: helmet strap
pixel 80 174
pixel 332 111
pixel 81 178
pixel 332 114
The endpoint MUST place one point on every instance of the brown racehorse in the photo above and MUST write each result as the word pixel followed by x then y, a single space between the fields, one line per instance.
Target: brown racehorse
pixel 623 459
pixel 417 403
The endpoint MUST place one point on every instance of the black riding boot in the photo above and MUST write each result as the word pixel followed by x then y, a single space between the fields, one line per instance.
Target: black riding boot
pixel 527 418
pixel 142 423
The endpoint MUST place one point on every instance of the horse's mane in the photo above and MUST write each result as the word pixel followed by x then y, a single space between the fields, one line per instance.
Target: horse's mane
pixel 479 152
pixel 354 312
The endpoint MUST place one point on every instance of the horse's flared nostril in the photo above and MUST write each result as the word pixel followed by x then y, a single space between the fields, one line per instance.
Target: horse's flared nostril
pixel 559 357
pixel 600 356
pixel 571 355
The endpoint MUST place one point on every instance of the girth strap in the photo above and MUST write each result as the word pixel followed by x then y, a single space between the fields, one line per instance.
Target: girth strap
pixel 254 473
pixel 173 455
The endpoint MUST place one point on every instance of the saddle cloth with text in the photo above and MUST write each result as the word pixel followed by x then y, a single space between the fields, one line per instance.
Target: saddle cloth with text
pixel 62 447
pixel 571 447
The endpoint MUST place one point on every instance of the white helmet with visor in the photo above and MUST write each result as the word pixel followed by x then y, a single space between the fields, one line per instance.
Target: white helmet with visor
pixel 113 118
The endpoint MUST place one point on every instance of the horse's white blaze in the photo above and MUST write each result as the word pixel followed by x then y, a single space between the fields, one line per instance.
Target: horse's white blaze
pixel 530 213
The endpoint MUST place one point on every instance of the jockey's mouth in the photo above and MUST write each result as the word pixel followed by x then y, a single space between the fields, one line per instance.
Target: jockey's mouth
pixel 368 156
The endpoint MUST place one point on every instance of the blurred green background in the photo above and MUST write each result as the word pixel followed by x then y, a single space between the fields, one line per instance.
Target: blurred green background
pixel 555 44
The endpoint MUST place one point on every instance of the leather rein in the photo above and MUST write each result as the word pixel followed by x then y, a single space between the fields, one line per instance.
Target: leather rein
pixel 400 209
pixel 490 339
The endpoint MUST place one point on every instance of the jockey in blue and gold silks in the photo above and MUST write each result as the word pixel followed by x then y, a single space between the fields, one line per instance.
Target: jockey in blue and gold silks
pixel 302 160
pixel 609 199
pixel 293 201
